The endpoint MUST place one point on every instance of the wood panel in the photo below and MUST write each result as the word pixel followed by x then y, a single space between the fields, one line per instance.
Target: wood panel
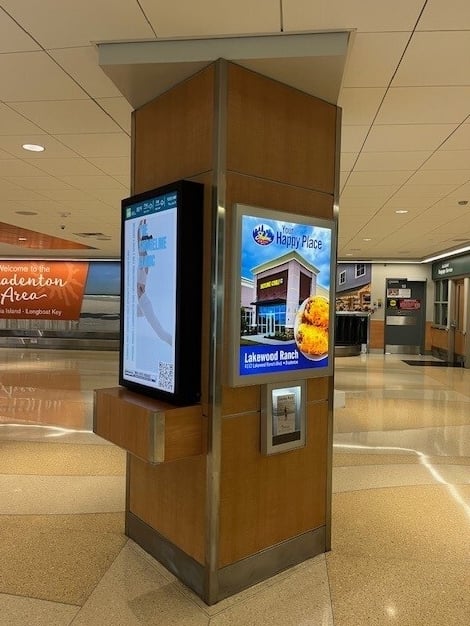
pixel 129 420
pixel 439 338
pixel 459 343
pixel 278 133
pixel 171 499
pixel 428 337
pixel 377 334
pixel 267 499
pixel 318 388
pixel 173 134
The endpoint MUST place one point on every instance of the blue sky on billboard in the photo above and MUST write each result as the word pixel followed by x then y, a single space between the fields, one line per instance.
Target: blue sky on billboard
pixel 313 243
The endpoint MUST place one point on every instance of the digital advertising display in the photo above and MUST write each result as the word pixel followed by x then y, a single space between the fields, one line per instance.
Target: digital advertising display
pixel 161 258
pixel 284 270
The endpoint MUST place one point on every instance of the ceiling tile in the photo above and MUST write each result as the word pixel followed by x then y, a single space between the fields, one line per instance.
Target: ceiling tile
pixel 119 110
pixel 15 167
pixel 377 193
pixel 66 167
pixel 98 144
pixel 112 197
pixel 67 195
pixel 90 21
pixel 12 122
pixel 435 58
pixel 93 182
pixel 211 17
pixel 62 116
pixel 448 160
pixel 424 105
pixel 427 191
pixel 352 137
pixel 445 15
pixel 119 166
pixel 38 183
pixel 459 140
pixel 402 137
pixel 387 177
pixel 13 38
pixel 373 59
pixel 53 148
pixel 363 15
pixel 376 161
pixel 46 81
pixel 412 201
pixel 360 105
pixel 441 177
pixel 347 161
pixel 82 65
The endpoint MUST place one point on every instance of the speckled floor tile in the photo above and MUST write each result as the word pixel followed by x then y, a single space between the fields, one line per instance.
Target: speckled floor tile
pixel 56 495
pixel 383 592
pixel 50 459
pixel 379 476
pixel 302 598
pixel 17 611
pixel 425 523
pixel 59 558
pixel 134 592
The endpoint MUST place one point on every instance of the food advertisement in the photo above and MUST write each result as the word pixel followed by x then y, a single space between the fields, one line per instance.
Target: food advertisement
pixel 284 274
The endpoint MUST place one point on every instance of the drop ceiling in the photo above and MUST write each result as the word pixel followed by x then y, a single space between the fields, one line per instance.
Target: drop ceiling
pixel 405 96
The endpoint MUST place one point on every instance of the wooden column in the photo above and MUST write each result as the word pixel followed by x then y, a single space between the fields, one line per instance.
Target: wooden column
pixel 227 517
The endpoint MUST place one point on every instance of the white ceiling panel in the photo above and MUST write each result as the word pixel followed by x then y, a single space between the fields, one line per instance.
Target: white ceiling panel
pixel 12 37
pixel 402 137
pixel 363 15
pixel 413 202
pixel 448 160
pixel 386 177
pixel 46 81
pixel 424 105
pixel 97 144
pixel 53 148
pixel 441 177
pixel 12 123
pixel 353 137
pixel 59 26
pixel 113 165
pixel 445 15
pixel 373 59
pixel 427 191
pixel 38 183
pixel 111 197
pixel 379 161
pixel 62 116
pixel 435 58
pixel 119 110
pixel 82 65
pixel 372 192
pixel 15 167
pixel 360 106
pixel 459 140
pixel 21 195
pixel 67 195
pixel 212 17
pixel 93 182
pixel 68 167
pixel 347 161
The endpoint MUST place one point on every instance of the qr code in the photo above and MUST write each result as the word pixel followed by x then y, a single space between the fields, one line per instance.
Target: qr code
pixel 165 376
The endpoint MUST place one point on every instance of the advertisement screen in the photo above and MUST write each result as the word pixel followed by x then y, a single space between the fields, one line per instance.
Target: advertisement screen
pixel 283 265
pixel 161 260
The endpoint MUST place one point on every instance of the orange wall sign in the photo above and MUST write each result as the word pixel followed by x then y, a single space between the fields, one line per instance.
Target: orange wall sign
pixel 47 290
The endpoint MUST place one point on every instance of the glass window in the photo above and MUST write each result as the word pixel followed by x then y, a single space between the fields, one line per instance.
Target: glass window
pixel 360 269
pixel 441 296
pixel 342 277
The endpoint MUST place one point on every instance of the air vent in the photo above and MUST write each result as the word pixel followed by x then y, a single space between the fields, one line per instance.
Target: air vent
pixel 88 235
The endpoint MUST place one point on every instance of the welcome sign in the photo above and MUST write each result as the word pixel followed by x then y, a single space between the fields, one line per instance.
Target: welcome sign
pixel 48 290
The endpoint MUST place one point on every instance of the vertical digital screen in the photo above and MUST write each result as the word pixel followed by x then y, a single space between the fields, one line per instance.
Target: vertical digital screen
pixel 149 292
pixel 283 269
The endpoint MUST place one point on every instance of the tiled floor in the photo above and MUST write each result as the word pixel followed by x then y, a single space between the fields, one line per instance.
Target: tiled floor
pixel 401 510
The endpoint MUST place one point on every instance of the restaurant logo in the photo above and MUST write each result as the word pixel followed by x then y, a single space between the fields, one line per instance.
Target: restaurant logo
pixel 263 235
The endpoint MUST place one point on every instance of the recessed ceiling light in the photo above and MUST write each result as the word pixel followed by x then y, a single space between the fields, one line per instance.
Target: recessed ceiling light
pixel 348 253
pixel 22 239
pixel 367 239
pixel 26 212
pixel 400 211
pixel 33 147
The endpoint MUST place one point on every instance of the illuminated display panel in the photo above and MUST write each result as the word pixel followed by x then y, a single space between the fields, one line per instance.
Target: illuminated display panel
pixel 161 282
pixel 284 304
